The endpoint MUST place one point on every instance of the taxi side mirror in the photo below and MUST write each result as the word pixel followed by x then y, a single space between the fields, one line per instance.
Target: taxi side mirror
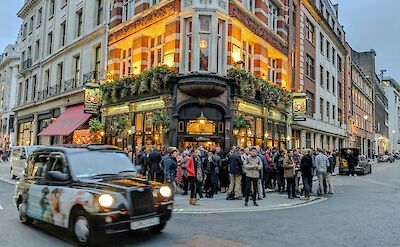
pixel 58 176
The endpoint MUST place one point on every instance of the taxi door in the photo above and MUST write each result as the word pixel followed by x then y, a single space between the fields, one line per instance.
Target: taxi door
pixel 60 194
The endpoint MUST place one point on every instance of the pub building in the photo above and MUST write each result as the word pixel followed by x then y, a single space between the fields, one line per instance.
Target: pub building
pixel 200 41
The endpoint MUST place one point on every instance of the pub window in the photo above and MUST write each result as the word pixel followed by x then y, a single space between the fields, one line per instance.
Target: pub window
pixel 148 124
pixel 139 123
pixel 181 126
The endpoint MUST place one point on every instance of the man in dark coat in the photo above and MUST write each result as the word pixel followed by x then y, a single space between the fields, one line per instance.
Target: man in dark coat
pixel 306 166
pixel 235 164
pixel 155 172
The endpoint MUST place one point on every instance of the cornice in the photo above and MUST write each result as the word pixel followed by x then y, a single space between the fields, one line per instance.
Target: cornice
pixel 140 22
pixel 25 9
pixel 258 28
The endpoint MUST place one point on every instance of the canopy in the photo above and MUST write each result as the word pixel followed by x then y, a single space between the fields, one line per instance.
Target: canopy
pixel 71 119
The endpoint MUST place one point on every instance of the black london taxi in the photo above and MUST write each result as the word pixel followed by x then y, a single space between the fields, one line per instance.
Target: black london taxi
pixel 92 190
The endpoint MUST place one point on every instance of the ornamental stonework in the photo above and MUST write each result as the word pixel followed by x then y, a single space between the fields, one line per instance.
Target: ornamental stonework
pixel 263 32
pixel 148 20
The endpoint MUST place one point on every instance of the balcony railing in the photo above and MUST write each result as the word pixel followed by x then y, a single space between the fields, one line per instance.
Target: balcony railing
pixel 93 76
pixel 27 64
pixel 70 84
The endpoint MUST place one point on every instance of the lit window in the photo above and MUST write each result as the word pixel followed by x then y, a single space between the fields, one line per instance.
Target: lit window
pixel 204 44
pixel 156 51
pixel 247 56
pixel 272 70
pixel 188 44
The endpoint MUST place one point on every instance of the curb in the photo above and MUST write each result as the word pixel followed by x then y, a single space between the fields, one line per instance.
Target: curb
pixel 250 209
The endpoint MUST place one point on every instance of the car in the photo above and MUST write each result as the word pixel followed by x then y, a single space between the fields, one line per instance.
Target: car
pixel 386 158
pixel 91 190
pixel 18 158
pixel 362 164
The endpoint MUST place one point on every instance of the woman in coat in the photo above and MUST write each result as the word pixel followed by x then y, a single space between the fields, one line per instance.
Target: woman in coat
pixel 288 173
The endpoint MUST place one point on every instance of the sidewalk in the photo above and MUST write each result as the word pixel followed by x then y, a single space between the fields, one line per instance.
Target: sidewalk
pixel 219 204
pixel 5 173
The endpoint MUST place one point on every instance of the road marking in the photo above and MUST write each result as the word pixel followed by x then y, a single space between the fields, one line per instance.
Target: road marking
pixel 1 208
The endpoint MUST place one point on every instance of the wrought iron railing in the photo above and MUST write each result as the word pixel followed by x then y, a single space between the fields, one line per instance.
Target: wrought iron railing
pixel 93 76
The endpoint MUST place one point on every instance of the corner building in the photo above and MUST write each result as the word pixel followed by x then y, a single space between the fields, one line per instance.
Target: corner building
pixel 317 48
pixel 201 40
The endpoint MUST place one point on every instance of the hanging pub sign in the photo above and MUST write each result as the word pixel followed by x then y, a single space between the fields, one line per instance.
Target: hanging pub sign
pixel 299 106
pixel 93 98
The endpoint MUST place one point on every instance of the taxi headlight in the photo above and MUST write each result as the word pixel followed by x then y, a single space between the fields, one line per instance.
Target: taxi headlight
pixel 165 191
pixel 106 200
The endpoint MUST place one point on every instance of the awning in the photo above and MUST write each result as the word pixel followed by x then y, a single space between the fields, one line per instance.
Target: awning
pixel 71 119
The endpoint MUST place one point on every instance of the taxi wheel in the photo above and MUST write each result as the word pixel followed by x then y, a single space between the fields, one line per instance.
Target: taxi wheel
pixel 22 214
pixel 158 228
pixel 83 230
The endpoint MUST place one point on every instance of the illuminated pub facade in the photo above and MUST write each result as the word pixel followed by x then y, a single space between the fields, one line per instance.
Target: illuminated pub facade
pixel 200 40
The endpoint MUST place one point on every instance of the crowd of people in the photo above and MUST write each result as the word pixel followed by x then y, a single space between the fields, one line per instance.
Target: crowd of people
pixel 241 172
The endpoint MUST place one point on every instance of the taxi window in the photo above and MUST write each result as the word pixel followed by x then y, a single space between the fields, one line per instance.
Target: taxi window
pixel 36 168
pixel 57 163
pixel 15 152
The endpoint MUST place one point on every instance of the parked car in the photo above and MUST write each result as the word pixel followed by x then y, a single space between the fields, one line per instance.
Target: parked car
pixel 362 165
pixel 92 190
pixel 18 159
pixel 386 158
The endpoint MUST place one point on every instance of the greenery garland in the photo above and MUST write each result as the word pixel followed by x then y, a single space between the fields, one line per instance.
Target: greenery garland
pixel 151 80
pixel 271 95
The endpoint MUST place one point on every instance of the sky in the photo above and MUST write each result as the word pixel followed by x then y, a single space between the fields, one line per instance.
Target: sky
pixel 9 22
pixel 369 24
pixel 374 24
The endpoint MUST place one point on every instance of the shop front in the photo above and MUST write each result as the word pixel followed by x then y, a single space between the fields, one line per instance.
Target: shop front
pixel 266 128
pixel 25 130
pixel 200 125
pixel 64 128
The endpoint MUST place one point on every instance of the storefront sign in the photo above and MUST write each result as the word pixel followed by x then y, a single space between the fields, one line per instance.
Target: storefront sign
pixel 92 100
pixel 250 108
pixel 299 107
pixel 150 105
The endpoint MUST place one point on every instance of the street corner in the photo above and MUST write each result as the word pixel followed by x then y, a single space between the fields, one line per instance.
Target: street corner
pixel 219 204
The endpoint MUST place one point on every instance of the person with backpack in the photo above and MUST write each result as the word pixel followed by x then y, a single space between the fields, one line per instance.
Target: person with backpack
pixel 170 166
pixel 235 173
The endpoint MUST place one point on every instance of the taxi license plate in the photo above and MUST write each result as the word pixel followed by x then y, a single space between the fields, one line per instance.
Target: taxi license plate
pixel 145 223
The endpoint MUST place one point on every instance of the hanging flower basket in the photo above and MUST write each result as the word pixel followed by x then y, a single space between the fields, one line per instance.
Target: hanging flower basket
pixel 95 126
pixel 159 118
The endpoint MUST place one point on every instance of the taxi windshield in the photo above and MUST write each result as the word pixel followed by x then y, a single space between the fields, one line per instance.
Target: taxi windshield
pixel 99 163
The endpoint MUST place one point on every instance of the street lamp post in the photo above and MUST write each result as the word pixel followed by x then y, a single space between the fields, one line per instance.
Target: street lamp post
pixel 365 118
pixel 394 139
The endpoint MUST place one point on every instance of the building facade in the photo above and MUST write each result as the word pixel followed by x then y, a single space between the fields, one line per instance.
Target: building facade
pixel 201 41
pixel 392 90
pixel 9 65
pixel 366 62
pixel 318 53
pixel 362 92
pixel 63 46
